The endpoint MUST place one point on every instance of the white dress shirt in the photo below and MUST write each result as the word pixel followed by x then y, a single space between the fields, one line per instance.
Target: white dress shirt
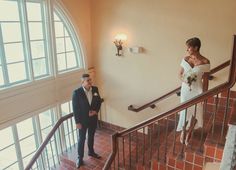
pixel 88 94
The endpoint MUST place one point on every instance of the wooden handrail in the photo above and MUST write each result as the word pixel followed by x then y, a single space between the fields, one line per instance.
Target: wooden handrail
pixel 152 103
pixel 205 95
pixel 220 67
pixel 45 142
pixel 132 108
pixel 49 136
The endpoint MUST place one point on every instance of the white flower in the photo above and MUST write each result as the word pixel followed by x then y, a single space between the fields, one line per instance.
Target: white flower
pixel 95 94
pixel 189 78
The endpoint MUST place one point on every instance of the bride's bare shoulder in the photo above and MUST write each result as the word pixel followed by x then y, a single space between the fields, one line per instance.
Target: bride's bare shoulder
pixel 205 60
pixel 186 58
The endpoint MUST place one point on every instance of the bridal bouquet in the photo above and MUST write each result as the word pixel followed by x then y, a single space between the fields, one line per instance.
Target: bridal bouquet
pixel 189 78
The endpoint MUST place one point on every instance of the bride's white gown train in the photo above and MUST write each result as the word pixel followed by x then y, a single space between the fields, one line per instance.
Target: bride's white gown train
pixel 186 94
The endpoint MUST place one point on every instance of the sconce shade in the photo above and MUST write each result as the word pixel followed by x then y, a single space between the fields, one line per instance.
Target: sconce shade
pixel 119 40
pixel 121 37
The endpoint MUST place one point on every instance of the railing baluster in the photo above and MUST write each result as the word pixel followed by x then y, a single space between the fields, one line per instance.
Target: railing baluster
pixel 123 141
pixel 143 146
pixel 56 149
pixel 68 130
pixel 202 130
pixel 174 141
pixel 136 145
pixel 46 150
pixel 184 134
pixel 52 153
pixel 130 150
pixel 118 153
pixel 114 162
pixel 72 131
pixel 194 116
pixel 214 115
pixel 150 145
pixel 42 158
pixel 37 164
pixel 158 140
pixel 64 127
pixel 166 136
pixel 59 134
pixel 225 114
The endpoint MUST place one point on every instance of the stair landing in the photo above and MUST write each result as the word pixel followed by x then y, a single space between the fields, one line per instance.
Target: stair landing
pixel 102 146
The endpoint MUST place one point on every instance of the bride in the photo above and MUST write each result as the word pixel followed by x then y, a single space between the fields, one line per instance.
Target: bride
pixel 192 69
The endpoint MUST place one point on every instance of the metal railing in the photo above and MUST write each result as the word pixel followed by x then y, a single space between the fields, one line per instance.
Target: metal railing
pixel 60 139
pixel 157 138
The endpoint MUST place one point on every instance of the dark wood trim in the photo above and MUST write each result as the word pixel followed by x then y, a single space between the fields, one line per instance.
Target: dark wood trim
pixel 132 108
pixel 177 90
pixel 220 67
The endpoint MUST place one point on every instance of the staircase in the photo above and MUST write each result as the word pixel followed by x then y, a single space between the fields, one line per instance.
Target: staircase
pixel 153 144
pixel 159 147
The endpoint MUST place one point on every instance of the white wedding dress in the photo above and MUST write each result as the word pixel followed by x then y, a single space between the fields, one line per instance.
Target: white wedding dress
pixel 187 93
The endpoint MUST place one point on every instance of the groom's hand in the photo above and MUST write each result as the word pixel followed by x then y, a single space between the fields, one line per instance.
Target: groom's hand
pixel 92 113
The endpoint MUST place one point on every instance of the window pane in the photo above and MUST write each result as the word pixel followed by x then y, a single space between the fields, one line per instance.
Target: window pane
pixel 61 61
pixel 16 72
pixel 34 11
pixel 27 146
pixel 59 29
pixel 14 52
pixel 39 67
pixel 66 33
pixel 71 60
pixel 35 30
pixel 11 32
pixel 1 77
pixel 8 138
pixel 60 45
pixel 25 128
pixel 69 45
pixel 45 119
pixel 56 18
pixel 65 109
pixel 37 49
pixel 8 156
pixel 9 11
pixel 13 167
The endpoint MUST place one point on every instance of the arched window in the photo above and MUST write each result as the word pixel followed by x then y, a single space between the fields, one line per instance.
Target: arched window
pixel 32 44
pixel 66 52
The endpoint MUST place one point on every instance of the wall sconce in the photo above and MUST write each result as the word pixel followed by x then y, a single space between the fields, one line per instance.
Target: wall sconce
pixel 119 40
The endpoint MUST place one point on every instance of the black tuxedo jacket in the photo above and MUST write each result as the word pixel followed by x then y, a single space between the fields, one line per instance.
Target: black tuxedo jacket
pixel 81 106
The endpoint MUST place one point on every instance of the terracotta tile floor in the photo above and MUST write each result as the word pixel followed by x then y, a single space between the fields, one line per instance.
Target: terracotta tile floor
pixel 102 146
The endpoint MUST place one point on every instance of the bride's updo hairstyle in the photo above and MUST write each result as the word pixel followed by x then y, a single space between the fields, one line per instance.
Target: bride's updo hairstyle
pixel 194 42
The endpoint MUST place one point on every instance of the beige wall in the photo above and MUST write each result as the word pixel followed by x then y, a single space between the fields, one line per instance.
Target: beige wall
pixel 161 27
pixel 79 11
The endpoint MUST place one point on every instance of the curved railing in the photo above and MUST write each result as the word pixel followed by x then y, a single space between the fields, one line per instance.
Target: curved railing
pixel 47 140
pixel 147 127
pixel 177 90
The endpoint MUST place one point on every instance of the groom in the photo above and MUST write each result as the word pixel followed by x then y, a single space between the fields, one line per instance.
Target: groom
pixel 86 103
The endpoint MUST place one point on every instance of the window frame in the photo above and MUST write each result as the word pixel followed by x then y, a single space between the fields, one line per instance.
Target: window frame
pixel 48 8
